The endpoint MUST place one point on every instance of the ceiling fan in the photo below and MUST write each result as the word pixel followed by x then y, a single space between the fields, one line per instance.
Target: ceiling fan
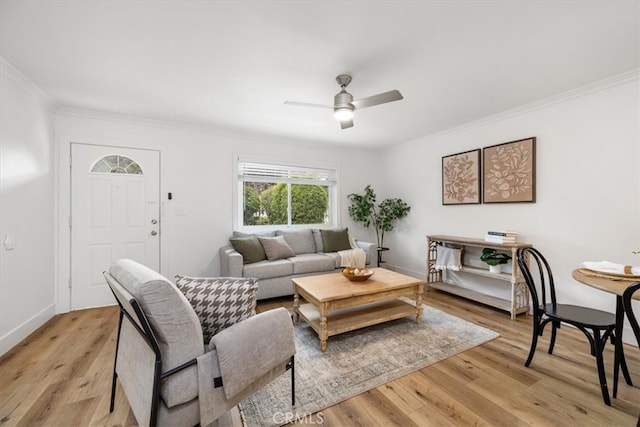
pixel 344 105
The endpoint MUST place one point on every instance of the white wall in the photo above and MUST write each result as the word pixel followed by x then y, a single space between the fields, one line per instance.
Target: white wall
pixel 27 291
pixel 196 167
pixel 587 185
pixel 587 190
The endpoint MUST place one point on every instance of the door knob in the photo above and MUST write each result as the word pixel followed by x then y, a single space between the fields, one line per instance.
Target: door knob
pixel 154 232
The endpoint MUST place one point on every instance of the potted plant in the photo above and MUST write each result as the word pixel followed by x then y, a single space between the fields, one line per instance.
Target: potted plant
pixel 494 259
pixel 383 217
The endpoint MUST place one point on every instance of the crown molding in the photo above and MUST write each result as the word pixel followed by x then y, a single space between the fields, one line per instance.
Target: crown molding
pixel 228 133
pixel 84 113
pixel 610 82
pixel 134 120
pixel 24 82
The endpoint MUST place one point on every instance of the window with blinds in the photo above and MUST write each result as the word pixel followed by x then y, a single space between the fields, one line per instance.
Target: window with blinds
pixel 285 195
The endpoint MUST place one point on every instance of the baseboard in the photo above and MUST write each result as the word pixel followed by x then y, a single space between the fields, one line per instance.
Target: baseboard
pixel 417 274
pixel 16 335
pixel 627 334
pixel 628 337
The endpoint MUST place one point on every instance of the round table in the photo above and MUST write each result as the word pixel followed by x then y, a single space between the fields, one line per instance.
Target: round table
pixel 614 285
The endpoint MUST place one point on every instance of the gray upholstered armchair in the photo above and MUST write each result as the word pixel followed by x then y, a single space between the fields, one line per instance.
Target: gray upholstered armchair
pixel 170 376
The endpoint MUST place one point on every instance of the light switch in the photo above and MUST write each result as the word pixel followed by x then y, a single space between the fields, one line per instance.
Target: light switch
pixel 9 243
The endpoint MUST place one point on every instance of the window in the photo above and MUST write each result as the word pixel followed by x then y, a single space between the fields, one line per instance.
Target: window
pixel 116 164
pixel 275 194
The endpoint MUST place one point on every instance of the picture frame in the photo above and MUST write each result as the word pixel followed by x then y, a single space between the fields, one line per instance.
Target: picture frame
pixel 509 172
pixel 461 178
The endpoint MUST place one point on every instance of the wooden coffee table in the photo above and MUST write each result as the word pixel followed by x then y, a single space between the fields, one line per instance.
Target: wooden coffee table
pixel 335 305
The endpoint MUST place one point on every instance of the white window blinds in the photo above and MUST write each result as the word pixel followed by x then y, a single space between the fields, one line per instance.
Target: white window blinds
pixel 263 172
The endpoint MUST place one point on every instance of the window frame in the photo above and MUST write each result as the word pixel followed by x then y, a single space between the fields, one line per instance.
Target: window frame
pixel 104 159
pixel 238 192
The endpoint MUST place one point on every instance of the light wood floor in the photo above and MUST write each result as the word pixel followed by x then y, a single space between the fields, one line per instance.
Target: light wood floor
pixel 61 376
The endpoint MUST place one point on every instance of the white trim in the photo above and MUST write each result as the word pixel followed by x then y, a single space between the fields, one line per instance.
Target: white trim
pixel 20 332
pixel 421 275
pixel 603 84
pixel 62 190
pixel 607 83
pixel 24 82
pixel 334 204
pixel 231 133
pixel 292 161
pixel 628 336
pixel 132 119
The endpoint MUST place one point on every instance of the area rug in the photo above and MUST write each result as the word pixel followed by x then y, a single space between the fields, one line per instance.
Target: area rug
pixel 358 361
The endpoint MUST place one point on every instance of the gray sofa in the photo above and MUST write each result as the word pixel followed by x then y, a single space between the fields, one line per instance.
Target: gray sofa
pixel 309 258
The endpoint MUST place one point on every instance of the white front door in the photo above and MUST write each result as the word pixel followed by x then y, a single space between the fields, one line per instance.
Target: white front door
pixel 115 213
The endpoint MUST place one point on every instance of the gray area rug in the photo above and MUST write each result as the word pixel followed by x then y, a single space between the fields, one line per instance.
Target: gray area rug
pixel 358 361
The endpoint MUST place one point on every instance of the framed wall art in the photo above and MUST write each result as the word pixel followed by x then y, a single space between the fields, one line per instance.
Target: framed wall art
pixel 509 172
pixel 461 178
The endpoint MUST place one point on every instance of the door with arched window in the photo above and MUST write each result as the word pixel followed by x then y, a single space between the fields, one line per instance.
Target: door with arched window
pixel 115 213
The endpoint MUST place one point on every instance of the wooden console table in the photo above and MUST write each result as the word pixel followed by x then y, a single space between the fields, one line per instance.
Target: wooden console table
pixel 519 299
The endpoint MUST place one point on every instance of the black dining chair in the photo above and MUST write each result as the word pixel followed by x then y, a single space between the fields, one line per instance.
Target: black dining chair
pixel 628 308
pixel 597 325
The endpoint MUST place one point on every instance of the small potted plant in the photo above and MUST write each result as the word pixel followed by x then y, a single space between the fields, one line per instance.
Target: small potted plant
pixel 494 259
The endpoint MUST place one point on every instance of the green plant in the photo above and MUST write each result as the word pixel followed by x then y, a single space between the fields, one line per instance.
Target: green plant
pixel 308 204
pixel 383 217
pixel 493 257
pixel 252 206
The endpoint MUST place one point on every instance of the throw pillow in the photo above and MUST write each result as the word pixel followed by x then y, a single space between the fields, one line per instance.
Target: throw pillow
pixel 317 239
pixel 276 248
pixel 301 241
pixel 335 240
pixel 219 302
pixel 260 234
pixel 250 249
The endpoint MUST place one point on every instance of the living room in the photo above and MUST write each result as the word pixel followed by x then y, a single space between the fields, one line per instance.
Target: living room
pixel 587 187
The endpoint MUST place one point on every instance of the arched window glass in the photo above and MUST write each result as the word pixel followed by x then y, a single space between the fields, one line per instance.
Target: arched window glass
pixel 116 163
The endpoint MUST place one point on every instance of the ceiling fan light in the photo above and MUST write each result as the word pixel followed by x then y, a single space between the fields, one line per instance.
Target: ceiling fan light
pixel 343 113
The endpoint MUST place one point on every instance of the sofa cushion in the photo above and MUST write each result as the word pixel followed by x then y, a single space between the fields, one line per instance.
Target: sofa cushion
pixel 311 263
pixel 276 248
pixel 301 241
pixel 336 258
pixel 219 302
pixel 260 234
pixel 268 269
pixel 250 249
pixel 335 240
pixel 174 322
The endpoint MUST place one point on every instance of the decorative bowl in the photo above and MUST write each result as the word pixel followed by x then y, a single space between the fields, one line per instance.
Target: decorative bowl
pixel 357 275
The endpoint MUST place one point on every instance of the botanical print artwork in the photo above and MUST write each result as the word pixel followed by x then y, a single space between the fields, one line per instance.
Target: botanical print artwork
pixel 461 178
pixel 509 172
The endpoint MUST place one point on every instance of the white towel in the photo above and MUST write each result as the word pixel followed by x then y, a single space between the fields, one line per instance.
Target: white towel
pixel 609 267
pixel 448 258
pixel 353 258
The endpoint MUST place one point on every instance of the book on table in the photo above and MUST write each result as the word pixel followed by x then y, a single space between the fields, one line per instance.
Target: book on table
pixel 501 236
pixel 503 233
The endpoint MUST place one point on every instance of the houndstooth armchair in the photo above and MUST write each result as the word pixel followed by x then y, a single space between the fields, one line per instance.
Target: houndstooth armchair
pixel 170 376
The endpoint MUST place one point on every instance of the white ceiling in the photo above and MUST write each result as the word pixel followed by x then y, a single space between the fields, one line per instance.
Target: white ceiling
pixel 231 65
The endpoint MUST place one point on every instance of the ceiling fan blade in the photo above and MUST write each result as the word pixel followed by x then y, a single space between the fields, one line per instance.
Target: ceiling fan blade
pixel 381 98
pixel 307 104
pixel 345 124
